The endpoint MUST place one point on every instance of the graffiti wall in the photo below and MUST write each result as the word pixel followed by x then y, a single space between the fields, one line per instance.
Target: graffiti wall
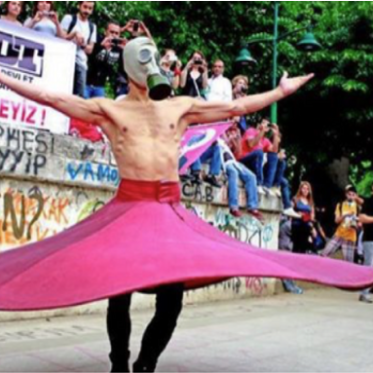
pixel 31 212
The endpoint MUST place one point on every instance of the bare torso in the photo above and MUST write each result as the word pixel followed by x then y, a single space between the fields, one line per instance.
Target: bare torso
pixel 145 137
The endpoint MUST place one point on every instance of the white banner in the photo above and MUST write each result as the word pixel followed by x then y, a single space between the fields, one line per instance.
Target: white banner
pixel 40 60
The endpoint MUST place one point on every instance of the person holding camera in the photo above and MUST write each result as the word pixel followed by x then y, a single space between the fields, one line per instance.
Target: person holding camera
pixel 254 144
pixel 45 19
pixel 13 10
pixel 219 87
pixel 171 68
pixel 347 218
pixel 194 77
pixel 104 60
pixel 83 33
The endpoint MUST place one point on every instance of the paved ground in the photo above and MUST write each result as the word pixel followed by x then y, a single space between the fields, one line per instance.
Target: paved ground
pixel 322 331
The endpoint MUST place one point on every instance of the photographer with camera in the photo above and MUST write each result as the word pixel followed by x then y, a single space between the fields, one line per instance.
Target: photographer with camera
pixel 171 68
pixel 254 144
pixel 219 88
pixel 194 78
pixel 83 33
pixel 105 60
pixel 45 19
pixel 347 218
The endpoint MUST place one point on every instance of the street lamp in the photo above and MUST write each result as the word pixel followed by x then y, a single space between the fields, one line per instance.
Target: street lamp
pixel 307 44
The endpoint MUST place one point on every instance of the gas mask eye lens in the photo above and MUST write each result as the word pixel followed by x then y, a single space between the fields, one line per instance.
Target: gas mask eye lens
pixel 145 56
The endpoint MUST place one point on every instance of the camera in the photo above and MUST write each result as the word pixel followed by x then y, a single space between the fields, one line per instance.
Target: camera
pixel 47 14
pixel 244 90
pixel 116 42
pixel 136 26
pixel 198 61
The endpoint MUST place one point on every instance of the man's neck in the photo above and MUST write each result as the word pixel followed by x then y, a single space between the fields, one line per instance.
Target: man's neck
pixel 137 93
pixel 82 17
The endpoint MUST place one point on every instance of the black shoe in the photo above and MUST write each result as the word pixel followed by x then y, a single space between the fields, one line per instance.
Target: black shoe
pixel 196 180
pixel 117 368
pixel 211 179
pixel 186 178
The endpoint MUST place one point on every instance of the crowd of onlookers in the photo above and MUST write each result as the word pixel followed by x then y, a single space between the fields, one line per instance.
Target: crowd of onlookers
pixel 354 233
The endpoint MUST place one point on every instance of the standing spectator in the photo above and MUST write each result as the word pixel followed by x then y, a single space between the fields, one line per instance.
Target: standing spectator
pixel 194 78
pixel 346 216
pixel 83 33
pixel 302 226
pixel 366 217
pixel 104 61
pixel 171 68
pixel 235 172
pixel 219 87
pixel 254 145
pixel 45 19
pixel 285 244
pixel 13 10
pixel 240 86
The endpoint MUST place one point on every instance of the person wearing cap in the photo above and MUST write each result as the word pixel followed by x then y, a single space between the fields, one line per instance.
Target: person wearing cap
pixel 347 218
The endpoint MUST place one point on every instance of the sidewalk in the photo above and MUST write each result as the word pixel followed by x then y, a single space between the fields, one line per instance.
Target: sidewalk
pixel 321 331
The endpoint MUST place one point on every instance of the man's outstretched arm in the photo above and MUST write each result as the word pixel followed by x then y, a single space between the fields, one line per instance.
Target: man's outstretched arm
pixel 70 105
pixel 208 112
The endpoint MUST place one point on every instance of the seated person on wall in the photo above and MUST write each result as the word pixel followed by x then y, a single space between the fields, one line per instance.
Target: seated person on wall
pixel 347 218
pixel 104 60
pixel 275 178
pixel 211 156
pixel 171 68
pixel 236 171
pixel 254 144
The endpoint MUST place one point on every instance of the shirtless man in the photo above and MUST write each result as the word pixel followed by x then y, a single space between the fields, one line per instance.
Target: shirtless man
pixel 145 136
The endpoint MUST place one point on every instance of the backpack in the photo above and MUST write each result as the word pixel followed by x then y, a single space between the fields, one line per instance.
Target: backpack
pixel 73 23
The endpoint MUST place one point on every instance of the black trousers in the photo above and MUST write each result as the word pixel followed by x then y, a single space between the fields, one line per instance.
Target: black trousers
pixel 157 335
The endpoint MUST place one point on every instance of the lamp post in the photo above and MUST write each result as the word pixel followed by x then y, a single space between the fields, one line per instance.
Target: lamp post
pixel 307 44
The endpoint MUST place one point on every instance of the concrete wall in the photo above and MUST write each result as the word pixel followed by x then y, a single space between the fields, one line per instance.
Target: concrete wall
pixel 49 183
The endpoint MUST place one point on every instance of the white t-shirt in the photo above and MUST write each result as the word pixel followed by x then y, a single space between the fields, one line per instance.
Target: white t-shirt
pixel 219 89
pixel 83 29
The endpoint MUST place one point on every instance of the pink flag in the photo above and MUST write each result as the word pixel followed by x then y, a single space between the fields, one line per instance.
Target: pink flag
pixel 197 140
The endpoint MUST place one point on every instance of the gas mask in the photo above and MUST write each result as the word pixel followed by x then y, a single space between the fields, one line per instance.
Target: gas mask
pixel 142 64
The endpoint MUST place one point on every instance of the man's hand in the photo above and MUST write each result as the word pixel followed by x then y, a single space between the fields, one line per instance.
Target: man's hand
pixel 107 43
pixel 289 86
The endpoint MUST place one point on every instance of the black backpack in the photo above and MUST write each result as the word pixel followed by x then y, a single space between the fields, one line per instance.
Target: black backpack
pixel 73 23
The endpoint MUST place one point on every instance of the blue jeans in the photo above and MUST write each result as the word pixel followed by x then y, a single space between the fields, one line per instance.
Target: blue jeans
pixel 281 182
pixel 91 91
pixel 236 171
pixel 368 260
pixel 270 170
pixel 212 156
pixel 254 162
pixel 80 81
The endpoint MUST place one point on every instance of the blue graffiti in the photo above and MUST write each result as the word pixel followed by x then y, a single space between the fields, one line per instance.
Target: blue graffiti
pixel 93 173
